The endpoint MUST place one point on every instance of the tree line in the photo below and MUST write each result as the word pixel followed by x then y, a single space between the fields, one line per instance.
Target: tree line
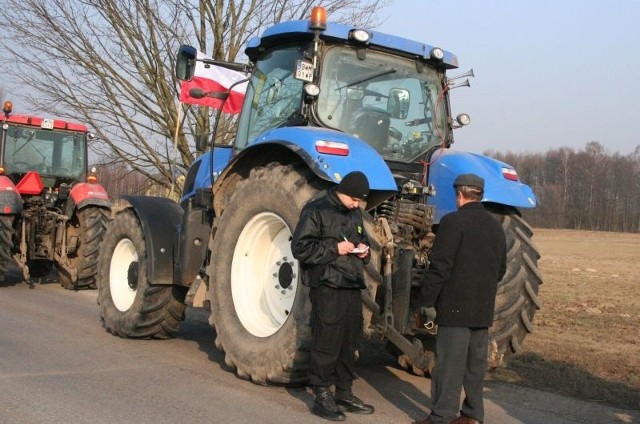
pixel 586 189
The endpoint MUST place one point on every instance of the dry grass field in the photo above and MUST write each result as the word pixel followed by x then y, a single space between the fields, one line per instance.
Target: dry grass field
pixel 587 338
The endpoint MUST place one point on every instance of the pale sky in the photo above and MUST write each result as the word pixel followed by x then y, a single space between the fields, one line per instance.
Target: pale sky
pixel 549 73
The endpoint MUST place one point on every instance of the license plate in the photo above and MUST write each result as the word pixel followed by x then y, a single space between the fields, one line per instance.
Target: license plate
pixel 304 71
pixel 47 124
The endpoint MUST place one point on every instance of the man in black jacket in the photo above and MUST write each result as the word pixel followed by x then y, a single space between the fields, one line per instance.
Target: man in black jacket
pixel 467 261
pixel 332 246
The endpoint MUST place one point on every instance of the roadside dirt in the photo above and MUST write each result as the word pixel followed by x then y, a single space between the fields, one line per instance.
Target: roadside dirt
pixel 586 342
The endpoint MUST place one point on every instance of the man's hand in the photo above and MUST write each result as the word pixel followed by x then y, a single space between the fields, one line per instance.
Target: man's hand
pixel 362 250
pixel 428 314
pixel 345 247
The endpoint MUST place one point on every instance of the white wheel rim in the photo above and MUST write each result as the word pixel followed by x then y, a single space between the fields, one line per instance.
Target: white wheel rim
pixel 264 275
pixel 122 293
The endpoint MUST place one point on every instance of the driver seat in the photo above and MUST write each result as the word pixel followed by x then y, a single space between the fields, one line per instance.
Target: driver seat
pixel 371 124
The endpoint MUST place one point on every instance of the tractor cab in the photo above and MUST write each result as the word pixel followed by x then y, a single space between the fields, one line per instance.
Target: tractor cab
pixel 54 149
pixel 395 104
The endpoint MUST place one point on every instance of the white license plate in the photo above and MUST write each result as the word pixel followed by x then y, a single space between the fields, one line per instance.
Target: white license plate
pixel 47 123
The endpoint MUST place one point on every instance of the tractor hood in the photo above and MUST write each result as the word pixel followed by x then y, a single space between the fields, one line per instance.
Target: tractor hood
pixel 502 184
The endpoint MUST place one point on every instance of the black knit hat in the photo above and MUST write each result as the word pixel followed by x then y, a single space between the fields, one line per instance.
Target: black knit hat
pixel 471 180
pixel 354 184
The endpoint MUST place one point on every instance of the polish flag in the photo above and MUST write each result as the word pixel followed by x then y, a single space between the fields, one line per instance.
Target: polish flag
pixel 211 78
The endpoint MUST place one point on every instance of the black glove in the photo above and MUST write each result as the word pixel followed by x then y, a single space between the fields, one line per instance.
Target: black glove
pixel 428 314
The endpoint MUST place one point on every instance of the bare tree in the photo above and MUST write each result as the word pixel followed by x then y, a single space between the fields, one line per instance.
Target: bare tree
pixel 109 64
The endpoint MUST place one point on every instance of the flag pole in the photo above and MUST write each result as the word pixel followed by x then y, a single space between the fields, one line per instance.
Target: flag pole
pixel 175 148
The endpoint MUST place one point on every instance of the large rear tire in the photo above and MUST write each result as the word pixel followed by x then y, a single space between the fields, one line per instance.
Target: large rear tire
pixel 130 307
pixel 6 243
pixel 259 307
pixel 87 227
pixel 517 298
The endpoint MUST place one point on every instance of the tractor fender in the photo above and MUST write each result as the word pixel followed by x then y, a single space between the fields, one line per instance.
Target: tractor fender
pixel 10 199
pixel 160 218
pixel 501 184
pixel 85 194
pixel 328 153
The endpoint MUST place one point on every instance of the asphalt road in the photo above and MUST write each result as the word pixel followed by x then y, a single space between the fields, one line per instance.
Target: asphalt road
pixel 58 365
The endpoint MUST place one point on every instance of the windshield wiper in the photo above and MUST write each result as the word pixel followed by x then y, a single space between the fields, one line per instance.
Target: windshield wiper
pixel 369 76
pixel 31 137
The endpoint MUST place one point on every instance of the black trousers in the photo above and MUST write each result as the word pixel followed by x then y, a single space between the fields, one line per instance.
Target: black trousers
pixel 336 325
pixel 461 362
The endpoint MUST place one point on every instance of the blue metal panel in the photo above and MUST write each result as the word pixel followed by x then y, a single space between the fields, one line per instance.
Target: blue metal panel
pixel 448 164
pixel 341 31
pixel 221 158
pixel 361 157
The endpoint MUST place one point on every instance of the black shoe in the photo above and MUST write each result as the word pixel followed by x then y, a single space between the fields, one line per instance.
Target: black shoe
pixel 351 403
pixel 324 405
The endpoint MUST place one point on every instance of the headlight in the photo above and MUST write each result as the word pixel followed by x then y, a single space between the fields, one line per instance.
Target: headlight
pixel 311 90
pixel 359 35
pixel 463 119
pixel 436 53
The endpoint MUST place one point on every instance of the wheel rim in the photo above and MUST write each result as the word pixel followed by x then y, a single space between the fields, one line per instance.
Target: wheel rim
pixel 264 275
pixel 123 274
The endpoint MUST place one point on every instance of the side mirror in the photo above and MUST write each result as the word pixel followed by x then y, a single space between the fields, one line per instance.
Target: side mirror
pixel 186 62
pixel 398 103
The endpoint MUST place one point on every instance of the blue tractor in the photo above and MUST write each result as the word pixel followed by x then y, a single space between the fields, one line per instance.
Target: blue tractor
pixel 323 99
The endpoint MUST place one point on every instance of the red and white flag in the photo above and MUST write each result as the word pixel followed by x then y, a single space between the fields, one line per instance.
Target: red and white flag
pixel 211 78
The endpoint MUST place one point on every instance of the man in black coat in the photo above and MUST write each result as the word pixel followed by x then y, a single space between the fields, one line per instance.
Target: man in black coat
pixel 332 247
pixel 467 261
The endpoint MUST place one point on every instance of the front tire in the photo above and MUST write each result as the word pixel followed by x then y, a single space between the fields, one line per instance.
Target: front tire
pixel 130 307
pixel 517 297
pixel 260 309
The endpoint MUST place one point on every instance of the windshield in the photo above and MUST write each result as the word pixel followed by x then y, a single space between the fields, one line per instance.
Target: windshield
pixel 384 100
pixel 50 152
pixel 275 93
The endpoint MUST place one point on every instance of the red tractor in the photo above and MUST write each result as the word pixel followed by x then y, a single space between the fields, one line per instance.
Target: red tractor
pixel 52 212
